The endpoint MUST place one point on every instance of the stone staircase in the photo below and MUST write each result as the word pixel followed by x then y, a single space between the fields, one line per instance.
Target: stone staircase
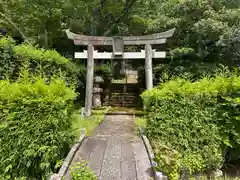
pixel 124 99
pixel 124 95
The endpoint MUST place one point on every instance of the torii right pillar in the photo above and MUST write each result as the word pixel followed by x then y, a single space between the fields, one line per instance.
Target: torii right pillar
pixel 148 67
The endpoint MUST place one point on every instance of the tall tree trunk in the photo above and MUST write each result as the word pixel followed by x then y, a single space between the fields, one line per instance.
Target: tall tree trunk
pixel 45 39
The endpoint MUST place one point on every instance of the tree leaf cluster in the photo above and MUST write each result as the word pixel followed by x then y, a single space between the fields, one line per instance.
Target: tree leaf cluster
pixel 207 33
pixel 81 171
pixel 47 62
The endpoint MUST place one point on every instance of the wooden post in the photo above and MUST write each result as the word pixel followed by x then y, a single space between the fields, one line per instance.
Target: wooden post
pixel 89 82
pixel 148 67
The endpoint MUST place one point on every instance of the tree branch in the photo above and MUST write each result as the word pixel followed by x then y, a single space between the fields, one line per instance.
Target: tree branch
pixel 14 25
pixel 11 22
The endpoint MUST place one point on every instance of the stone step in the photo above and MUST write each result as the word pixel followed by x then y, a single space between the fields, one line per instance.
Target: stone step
pixel 125 95
pixel 124 98
pixel 120 103
pixel 129 101
pixel 124 84
pixel 125 102
pixel 124 105
pixel 117 88
pixel 121 88
pixel 122 93
pixel 121 99
pixel 127 91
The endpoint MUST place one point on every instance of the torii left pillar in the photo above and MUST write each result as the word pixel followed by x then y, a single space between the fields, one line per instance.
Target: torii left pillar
pixel 148 66
pixel 89 82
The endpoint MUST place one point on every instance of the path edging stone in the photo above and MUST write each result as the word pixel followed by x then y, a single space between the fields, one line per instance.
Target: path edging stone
pixel 157 174
pixel 69 158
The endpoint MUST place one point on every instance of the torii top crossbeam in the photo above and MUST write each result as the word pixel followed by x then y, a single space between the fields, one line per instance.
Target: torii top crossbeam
pixel 159 38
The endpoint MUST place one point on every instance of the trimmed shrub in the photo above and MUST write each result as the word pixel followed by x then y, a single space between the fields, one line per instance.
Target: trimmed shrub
pixel 192 124
pixel 48 62
pixel 105 71
pixel 35 126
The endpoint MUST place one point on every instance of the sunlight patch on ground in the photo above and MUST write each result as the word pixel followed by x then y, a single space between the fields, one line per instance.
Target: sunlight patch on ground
pixel 89 124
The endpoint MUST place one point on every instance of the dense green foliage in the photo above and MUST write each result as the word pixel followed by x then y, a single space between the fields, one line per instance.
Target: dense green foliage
pixel 80 171
pixel 207 34
pixel 35 126
pixel 89 124
pixel 48 62
pixel 193 125
pixel 43 21
pixel 207 31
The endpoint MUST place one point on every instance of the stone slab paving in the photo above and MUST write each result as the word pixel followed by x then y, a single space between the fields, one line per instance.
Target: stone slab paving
pixel 115 152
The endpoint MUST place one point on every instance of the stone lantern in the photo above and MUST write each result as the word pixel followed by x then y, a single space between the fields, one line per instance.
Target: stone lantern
pixel 98 80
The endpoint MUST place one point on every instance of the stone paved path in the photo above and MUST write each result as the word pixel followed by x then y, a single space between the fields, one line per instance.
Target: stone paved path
pixel 115 152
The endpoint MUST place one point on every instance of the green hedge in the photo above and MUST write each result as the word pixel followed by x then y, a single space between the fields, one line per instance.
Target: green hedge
pixel 192 124
pixel 48 62
pixel 35 126
pixel 7 64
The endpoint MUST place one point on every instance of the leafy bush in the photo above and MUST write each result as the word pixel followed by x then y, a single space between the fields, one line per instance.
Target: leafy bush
pixel 105 71
pixel 198 120
pixel 80 171
pixel 35 126
pixel 48 62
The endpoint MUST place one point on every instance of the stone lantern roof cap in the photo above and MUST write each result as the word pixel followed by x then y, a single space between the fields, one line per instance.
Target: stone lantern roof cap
pixel 98 79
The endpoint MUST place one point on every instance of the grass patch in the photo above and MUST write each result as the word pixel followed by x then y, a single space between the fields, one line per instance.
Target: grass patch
pixel 121 109
pixel 88 123
pixel 141 122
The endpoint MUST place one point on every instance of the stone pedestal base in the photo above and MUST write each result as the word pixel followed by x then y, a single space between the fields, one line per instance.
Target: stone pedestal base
pixel 97 97
pixel 97 100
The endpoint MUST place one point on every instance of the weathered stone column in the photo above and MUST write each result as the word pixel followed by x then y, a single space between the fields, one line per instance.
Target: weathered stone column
pixel 97 91
pixel 89 82
pixel 148 67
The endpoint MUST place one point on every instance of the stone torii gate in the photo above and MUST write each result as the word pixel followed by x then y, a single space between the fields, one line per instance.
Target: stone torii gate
pixel 118 53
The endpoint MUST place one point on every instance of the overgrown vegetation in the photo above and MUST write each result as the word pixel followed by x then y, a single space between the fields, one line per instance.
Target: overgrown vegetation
pixel 141 122
pixel 90 123
pixel 194 126
pixel 35 126
pixel 38 116
pixel 47 62
pixel 80 171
